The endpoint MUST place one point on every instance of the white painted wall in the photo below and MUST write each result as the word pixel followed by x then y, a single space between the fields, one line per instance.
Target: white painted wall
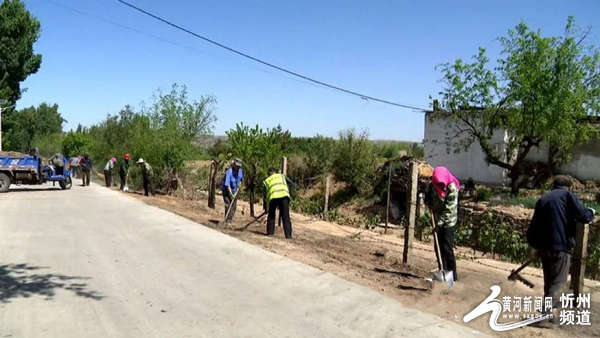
pixel 466 164
pixel 584 165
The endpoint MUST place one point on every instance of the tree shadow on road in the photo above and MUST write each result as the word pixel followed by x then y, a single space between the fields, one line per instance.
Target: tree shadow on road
pixel 34 189
pixel 23 280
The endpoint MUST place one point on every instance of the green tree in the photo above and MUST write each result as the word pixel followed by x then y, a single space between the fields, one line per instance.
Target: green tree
pixel 540 93
pixel 176 123
pixel 76 143
pixel 19 30
pixel 354 161
pixel 259 150
pixel 48 145
pixel 25 125
pixel 164 133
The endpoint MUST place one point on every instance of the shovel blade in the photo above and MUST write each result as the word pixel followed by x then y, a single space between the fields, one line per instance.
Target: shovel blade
pixel 444 276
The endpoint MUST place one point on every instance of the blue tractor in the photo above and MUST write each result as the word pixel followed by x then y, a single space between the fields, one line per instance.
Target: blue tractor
pixel 31 170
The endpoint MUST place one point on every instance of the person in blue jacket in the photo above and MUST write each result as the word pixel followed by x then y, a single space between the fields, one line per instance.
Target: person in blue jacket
pixel 232 182
pixel 551 234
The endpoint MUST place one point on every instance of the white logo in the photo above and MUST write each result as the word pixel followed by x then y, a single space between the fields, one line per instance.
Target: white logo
pixel 497 307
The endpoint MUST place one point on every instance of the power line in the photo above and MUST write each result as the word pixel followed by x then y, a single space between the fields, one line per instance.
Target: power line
pixel 362 96
pixel 169 41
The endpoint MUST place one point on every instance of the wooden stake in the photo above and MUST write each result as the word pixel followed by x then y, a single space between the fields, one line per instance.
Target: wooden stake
pixel 387 214
pixel 326 197
pixel 211 184
pixel 284 166
pixel 579 258
pixel 409 230
pixel 284 171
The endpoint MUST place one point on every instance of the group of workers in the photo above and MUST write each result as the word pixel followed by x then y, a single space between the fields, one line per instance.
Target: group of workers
pixel 277 195
pixel 82 167
pixel 145 167
pixel 551 233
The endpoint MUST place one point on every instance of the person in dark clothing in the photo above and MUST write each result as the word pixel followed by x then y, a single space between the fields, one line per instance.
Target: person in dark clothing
pixel 277 196
pixel 551 234
pixel 86 169
pixel 124 170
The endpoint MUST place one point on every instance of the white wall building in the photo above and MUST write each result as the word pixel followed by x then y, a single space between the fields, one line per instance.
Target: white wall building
pixel 584 165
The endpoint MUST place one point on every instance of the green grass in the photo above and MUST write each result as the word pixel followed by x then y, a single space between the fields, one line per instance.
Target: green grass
pixel 529 203
pixel 592 204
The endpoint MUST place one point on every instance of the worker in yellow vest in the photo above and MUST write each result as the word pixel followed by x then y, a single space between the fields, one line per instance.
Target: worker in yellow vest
pixel 277 196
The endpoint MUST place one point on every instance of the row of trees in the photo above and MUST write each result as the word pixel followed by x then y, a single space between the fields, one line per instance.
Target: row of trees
pixel 542 92
pixel 163 132
pixel 351 158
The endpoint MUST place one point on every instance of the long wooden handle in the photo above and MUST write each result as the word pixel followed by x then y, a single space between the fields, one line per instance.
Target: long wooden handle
pixel 435 240
pixel 231 205
pixel 516 272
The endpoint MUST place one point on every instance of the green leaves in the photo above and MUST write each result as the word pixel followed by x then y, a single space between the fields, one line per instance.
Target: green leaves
pixel 76 144
pixel 22 127
pixel 541 93
pixel 19 30
pixel 354 161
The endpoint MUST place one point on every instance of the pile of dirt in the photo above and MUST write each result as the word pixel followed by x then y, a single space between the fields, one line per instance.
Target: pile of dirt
pixel 401 174
pixel 12 154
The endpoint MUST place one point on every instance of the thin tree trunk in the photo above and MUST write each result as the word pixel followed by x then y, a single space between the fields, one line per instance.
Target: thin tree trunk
pixel 514 184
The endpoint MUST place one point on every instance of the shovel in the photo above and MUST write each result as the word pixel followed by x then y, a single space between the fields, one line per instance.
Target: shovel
pixel 252 221
pixel 229 209
pixel 441 275
pixel 126 187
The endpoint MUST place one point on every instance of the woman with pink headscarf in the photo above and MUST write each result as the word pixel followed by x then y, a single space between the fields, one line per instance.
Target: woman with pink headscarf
pixel 108 171
pixel 442 197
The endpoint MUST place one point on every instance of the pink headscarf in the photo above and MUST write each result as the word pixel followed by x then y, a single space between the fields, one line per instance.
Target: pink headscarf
pixel 441 178
pixel 113 160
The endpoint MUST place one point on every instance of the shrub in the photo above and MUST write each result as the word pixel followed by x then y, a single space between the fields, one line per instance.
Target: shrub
pixel 597 197
pixel 354 161
pixel 483 195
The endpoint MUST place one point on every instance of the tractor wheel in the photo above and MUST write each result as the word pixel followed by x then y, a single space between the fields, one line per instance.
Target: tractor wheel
pixel 66 184
pixel 4 182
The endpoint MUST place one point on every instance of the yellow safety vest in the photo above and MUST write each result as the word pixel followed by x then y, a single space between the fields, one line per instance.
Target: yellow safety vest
pixel 276 187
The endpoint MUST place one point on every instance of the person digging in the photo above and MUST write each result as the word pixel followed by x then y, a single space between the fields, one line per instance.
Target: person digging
pixel 442 198
pixel 232 182
pixel 277 187
pixel 124 171
pixel 147 176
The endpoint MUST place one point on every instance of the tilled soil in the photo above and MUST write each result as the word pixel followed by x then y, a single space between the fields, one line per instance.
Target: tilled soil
pixel 372 259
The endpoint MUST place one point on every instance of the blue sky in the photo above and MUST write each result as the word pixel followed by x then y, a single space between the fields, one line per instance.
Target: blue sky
pixel 383 48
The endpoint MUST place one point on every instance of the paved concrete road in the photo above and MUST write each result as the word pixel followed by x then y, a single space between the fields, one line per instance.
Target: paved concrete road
pixel 91 262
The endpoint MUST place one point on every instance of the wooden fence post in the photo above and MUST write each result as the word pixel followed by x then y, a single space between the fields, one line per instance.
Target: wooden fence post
pixel 579 258
pixel 326 197
pixel 389 194
pixel 409 230
pixel 211 184
pixel 284 171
